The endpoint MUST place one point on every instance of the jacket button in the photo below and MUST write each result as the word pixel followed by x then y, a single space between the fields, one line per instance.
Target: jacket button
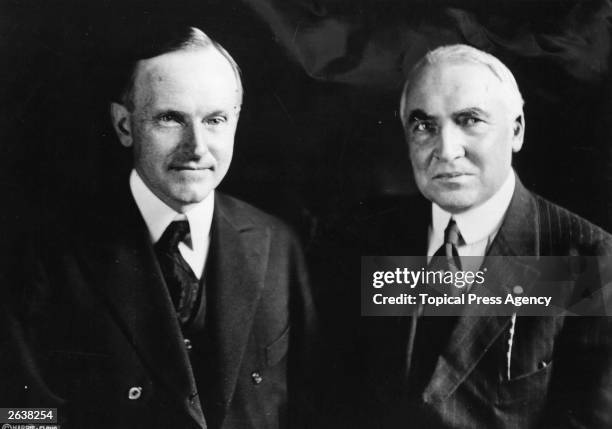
pixel 517 290
pixel 134 393
pixel 257 378
pixel 187 342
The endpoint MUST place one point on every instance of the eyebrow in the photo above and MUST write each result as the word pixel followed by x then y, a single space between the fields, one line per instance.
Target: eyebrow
pixel 472 111
pixel 216 113
pixel 169 110
pixel 419 115
pixel 166 111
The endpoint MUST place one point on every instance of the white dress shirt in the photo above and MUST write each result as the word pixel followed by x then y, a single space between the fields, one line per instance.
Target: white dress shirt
pixel 157 216
pixel 478 226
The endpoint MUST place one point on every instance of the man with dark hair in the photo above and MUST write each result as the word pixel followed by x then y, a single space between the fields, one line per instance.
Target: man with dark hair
pixel 172 305
pixel 463 119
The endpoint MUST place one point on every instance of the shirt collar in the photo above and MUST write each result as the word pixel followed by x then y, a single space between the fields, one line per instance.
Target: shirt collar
pixel 480 222
pixel 158 215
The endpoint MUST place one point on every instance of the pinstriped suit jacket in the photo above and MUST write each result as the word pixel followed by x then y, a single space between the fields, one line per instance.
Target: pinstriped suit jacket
pixel 561 366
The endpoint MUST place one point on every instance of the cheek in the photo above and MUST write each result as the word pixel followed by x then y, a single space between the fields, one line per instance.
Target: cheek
pixel 152 157
pixel 151 154
pixel 495 157
pixel 222 147
pixel 419 157
pixel 495 149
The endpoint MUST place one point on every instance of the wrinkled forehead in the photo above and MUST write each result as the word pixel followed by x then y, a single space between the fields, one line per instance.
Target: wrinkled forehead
pixel 453 85
pixel 493 83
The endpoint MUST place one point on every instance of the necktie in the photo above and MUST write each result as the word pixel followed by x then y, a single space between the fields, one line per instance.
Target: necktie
pixel 428 340
pixel 452 237
pixel 446 257
pixel 182 283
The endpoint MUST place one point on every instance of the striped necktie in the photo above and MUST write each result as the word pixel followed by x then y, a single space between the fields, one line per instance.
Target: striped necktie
pixel 447 257
pixel 452 238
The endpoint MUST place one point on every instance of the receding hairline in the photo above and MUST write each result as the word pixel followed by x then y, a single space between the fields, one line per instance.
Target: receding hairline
pixel 154 69
pixel 465 55
pixel 196 40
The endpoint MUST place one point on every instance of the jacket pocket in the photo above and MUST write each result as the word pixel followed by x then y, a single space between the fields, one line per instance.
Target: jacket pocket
pixel 526 387
pixel 278 348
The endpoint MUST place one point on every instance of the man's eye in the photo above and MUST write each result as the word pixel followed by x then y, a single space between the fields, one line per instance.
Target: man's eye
pixel 469 121
pixel 423 127
pixel 216 120
pixel 169 119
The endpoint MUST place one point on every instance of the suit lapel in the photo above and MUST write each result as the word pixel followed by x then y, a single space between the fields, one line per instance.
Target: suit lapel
pixel 134 290
pixel 239 257
pixel 508 263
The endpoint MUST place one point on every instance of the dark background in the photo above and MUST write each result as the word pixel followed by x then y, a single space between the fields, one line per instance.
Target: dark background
pixel 319 130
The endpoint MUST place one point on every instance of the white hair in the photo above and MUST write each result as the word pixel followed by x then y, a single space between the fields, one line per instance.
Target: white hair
pixel 467 54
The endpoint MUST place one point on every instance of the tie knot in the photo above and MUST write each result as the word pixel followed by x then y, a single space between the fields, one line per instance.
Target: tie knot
pixel 451 233
pixel 176 232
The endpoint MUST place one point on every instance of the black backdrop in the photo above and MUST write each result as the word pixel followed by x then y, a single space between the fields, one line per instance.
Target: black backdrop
pixel 319 130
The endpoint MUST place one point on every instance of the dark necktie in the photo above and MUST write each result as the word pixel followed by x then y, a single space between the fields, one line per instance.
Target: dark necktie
pixel 428 340
pixel 446 257
pixel 452 237
pixel 182 283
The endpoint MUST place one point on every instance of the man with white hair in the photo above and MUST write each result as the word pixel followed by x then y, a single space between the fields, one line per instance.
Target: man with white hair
pixel 462 114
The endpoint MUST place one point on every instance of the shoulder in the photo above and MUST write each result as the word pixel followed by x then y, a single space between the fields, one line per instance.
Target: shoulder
pixel 233 215
pixel 242 214
pixel 561 228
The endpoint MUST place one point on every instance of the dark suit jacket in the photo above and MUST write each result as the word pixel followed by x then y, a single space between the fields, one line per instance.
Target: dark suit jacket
pixel 89 318
pixel 561 366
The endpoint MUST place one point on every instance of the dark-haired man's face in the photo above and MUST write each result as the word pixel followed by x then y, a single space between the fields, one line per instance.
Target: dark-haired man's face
pixel 461 132
pixel 185 111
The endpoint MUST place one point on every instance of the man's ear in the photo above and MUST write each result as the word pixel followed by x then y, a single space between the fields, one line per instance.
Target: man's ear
pixel 518 133
pixel 121 123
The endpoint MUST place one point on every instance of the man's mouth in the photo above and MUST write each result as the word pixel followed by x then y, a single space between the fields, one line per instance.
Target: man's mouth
pixel 191 167
pixel 450 175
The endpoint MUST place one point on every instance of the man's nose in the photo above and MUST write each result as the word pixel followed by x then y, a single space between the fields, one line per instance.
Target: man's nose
pixel 450 144
pixel 195 140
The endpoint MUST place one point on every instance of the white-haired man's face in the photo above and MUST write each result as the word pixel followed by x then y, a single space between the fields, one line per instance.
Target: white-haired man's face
pixel 461 133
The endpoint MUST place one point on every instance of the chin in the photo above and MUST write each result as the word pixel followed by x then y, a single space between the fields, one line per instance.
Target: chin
pixel 453 203
pixel 190 196
pixel 194 198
